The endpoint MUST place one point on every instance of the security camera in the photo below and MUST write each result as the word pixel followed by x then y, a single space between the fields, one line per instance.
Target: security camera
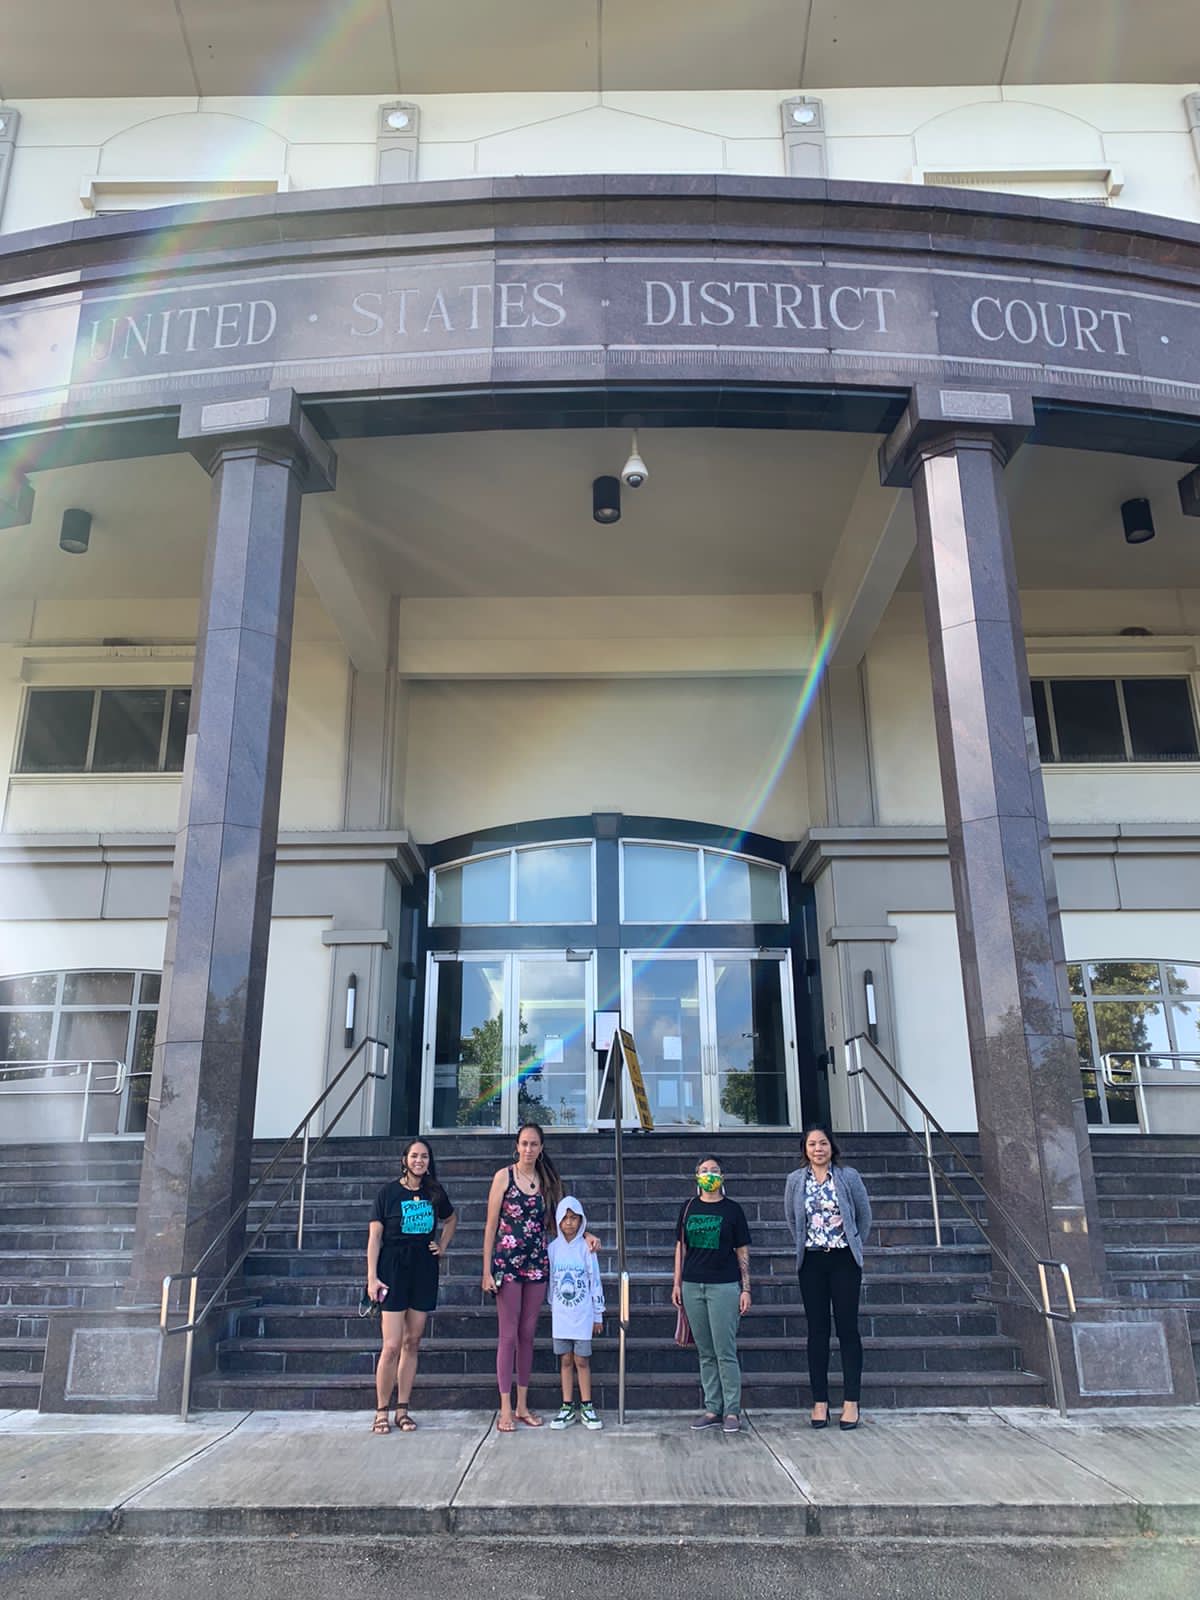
pixel 635 471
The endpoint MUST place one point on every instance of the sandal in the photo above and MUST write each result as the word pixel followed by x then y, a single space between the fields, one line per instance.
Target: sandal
pixel 506 1425
pixel 381 1423
pixel 528 1419
pixel 404 1422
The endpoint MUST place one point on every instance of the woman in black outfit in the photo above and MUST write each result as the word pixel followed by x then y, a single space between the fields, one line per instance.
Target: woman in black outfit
pixel 829 1216
pixel 403 1261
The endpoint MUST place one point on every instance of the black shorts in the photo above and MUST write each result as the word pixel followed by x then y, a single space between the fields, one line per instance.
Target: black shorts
pixel 412 1279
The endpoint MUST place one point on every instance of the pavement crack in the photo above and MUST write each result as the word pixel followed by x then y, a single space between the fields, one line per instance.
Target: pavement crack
pixel 1037 1437
pixel 466 1473
pixel 117 1511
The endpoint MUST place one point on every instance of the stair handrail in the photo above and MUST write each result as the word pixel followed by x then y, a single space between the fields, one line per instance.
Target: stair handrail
pixel 309 1147
pixel 1041 1301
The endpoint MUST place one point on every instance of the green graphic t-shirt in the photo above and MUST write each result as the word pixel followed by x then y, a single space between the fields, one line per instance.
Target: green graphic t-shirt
pixel 711 1232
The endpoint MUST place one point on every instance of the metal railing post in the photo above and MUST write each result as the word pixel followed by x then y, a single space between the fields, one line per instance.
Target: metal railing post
pixel 87 1095
pixel 1056 1373
pixel 303 1191
pixel 189 1347
pixel 933 1194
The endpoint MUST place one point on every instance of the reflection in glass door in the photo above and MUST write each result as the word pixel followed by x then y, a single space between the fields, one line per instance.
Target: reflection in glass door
pixel 481 1071
pixel 750 1067
pixel 713 1037
pixel 468 1042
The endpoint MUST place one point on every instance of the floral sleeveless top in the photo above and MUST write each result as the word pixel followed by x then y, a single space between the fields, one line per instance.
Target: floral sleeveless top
pixel 520 1248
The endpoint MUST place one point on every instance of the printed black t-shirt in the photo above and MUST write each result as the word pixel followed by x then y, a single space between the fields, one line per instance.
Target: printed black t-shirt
pixel 712 1231
pixel 409 1216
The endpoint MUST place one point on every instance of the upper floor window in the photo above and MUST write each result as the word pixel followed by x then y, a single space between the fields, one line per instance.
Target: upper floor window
pixel 678 883
pixel 104 730
pixel 535 884
pixel 1126 1008
pixel 1114 719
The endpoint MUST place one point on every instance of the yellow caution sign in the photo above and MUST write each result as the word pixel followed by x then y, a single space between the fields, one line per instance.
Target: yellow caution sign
pixel 634 1067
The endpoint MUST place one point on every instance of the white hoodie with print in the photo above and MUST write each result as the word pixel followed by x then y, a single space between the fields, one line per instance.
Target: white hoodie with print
pixel 576 1293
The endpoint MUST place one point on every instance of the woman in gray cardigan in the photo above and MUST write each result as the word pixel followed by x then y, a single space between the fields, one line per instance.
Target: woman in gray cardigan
pixel 829 1216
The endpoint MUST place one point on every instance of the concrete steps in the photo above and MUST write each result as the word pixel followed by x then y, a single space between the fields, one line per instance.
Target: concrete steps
pixel 67 1215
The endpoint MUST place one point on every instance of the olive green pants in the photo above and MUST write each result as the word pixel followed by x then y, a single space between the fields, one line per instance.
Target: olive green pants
pixel 712 1310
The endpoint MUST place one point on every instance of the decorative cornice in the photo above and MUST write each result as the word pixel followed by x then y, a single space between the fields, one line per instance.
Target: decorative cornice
pixel 392 847
pixel 820 847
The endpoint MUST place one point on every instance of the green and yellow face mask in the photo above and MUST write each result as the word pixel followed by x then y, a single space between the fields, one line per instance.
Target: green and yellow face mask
pixel 709 1182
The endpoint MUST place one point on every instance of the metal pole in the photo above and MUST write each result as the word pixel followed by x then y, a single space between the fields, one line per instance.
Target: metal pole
pixel 618 1087
pixel 862 1084
pixel 87 1091
pixel 303 1192
pixel 933 1194
pixel 189 1345
pixel 1056 1374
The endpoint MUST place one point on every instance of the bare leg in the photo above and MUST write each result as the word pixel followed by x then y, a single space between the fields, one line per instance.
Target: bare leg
pixel 584 1368
pixel 414 1328
pixel 389 1356
pixel 567 1369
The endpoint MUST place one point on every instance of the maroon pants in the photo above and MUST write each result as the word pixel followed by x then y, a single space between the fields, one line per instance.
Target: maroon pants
pixel 517 1305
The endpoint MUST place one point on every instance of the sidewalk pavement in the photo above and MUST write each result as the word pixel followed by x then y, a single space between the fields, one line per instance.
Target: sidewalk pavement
pixel 980 1474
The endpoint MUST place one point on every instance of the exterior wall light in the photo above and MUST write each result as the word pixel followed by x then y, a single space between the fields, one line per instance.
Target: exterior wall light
pixel 397 141
pixel 76 531
pixel 803 137
pixel 351 1009
pixel 1137 521
pixel 606 499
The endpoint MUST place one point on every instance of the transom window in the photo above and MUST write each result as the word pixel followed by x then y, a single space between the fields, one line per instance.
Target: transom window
pixel 67 1017
pixel 104 730
pixel 1126 1007
pixel 1114 719
pixel 678 883
pixel 536 884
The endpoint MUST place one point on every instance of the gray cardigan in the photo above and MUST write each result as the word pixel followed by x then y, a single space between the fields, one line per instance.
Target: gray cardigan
pixel 852 1199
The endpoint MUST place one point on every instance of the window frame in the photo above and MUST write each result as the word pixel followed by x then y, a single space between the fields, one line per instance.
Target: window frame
pixel 1056 759
pixel 1164 997
pixel 700 851
pixel 512 851
pixel 167 690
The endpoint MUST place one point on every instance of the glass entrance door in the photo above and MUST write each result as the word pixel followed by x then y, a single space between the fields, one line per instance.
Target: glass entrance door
pixel 482 1069
pixel 714 1037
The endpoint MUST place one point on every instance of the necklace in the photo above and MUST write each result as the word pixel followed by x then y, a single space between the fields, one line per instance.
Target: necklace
pixel 527 1185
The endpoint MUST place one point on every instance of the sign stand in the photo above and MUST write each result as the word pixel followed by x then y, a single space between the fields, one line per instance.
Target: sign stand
pixel 622 1054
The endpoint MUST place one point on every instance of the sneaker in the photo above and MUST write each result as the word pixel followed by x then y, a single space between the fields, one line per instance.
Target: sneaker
pixel 706 1419
pixel 565 1417
pixel 732 1423
pixel 587 1415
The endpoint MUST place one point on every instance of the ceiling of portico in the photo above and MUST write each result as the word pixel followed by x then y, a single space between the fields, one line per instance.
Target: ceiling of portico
pixel 509 513
pixel 298 47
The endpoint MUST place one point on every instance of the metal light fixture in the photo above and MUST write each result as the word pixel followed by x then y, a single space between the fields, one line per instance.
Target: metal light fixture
pixel 1137 521
pixel 606 499
pixel 803 116
pixel 76 531
pixel 351 1008
pixel 399 118
pixel 872 1013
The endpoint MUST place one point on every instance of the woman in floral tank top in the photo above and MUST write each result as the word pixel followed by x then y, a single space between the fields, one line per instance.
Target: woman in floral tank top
pixel 516 1267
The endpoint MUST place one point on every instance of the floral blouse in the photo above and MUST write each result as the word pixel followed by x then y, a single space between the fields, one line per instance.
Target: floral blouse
pixel 824 1229
pixel 520 1248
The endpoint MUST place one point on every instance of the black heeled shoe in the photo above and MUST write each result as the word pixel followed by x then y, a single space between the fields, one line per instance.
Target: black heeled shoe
pixel 848 1427
pixel 820 1422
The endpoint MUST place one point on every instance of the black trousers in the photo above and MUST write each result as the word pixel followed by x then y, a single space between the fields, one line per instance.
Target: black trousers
pixel 832 1279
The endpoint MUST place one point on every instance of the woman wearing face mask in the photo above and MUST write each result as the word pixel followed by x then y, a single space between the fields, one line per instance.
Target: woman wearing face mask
pixel 712 1284
pixel 829 1216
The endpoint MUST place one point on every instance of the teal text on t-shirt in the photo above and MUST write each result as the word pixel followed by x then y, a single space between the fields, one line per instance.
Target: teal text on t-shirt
pixel 416 1216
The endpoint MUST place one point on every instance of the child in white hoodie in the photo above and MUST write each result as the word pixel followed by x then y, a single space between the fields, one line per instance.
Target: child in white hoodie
pixel 577 1306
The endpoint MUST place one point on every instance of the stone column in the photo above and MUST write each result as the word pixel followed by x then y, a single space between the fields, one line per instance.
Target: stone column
pixel 1028 1091
pixel 263 455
